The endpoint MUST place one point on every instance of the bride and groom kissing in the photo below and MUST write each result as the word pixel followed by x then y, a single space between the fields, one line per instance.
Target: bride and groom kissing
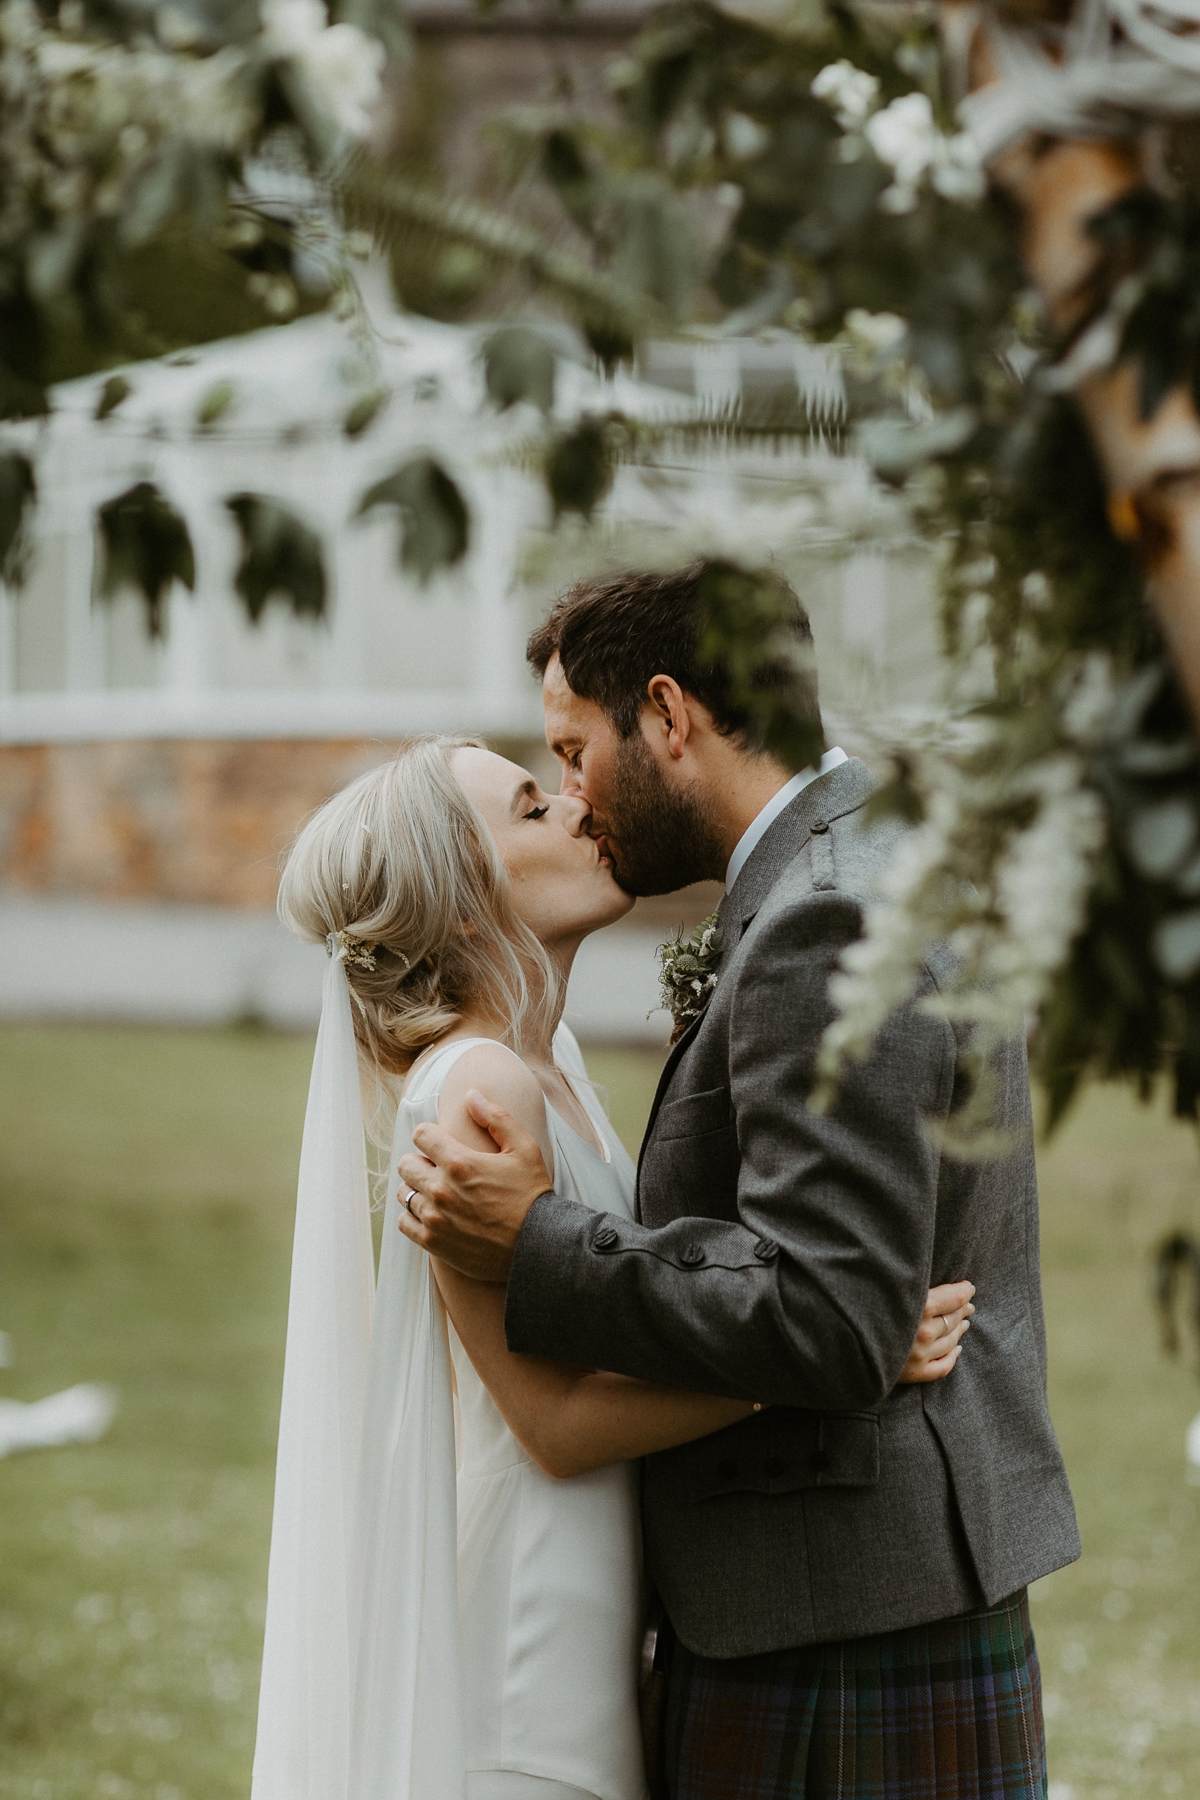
pixel 726 1393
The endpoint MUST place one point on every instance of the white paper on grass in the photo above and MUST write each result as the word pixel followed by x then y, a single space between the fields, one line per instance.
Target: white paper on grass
pixel 77 1415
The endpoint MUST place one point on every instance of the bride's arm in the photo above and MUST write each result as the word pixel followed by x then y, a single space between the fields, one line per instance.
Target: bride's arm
pixel 569 1419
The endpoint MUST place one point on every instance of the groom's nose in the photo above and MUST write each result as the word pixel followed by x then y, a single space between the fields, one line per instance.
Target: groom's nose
pixel 576 815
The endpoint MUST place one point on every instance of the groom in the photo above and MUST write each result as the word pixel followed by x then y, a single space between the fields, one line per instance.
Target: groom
pixel 844 1572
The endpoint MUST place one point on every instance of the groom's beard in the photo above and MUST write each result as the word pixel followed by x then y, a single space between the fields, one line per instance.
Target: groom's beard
pixel 657 835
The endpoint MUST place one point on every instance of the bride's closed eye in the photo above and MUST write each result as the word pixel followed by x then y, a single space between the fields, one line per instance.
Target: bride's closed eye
pixel 538 812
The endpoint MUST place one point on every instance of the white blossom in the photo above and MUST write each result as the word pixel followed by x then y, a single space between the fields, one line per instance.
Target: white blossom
pixel 905 136
pixel 851 92
pixel 343 67
pixel 340 65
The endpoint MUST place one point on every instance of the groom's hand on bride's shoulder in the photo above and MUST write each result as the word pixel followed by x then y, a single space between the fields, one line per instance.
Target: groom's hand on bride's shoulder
pixel 467 1206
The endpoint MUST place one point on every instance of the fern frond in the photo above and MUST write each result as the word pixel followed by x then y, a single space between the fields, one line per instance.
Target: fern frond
pixel 391 201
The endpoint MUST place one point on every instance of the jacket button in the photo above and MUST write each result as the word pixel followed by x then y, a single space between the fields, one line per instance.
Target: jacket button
pixel 766 1251
pixel 819 826
pixel 691 1256
pixel 605 1238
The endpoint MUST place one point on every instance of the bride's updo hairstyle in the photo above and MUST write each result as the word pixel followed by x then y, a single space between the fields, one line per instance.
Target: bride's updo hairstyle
pixel 403 862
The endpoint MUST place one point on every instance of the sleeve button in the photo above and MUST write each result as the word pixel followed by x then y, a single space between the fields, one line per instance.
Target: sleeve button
pixel 766 1251
pixel 691 1256
pixel 819 827
pixel 605 1238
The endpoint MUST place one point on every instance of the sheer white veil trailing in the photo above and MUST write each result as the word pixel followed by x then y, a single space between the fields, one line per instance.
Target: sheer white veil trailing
pixel 360 1688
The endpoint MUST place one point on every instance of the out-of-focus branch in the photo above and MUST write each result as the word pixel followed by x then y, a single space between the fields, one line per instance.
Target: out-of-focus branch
pixel 1060 183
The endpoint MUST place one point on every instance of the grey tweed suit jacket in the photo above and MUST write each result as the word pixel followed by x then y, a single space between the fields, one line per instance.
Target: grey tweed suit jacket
pixel 784 1256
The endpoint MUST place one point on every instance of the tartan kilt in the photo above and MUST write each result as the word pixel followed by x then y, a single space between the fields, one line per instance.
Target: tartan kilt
pixel 947 1711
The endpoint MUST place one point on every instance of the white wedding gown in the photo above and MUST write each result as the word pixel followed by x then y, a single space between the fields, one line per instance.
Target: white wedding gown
pixel 549 1572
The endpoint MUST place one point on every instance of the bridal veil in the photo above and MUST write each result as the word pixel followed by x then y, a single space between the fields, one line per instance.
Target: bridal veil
pixel 360 1695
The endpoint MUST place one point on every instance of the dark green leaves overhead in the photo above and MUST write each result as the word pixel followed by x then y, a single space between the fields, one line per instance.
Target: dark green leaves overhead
pixel 280 555
pixel 146 545
pixel 519 364
pixel 580 467
pixel 747 623
pixel 18 491
pixel 434 522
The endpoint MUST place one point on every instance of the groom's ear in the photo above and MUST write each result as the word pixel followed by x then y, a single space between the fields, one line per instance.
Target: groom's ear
pixel 672 717
pixel 671 713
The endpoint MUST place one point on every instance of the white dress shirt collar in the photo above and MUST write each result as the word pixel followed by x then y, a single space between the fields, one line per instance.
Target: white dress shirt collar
pixel 759 826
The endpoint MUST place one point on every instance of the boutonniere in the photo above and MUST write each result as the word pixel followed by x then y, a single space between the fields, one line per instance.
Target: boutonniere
pixel 688 972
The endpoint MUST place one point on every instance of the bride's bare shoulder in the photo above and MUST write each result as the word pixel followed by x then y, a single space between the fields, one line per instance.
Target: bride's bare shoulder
pixel 502 1077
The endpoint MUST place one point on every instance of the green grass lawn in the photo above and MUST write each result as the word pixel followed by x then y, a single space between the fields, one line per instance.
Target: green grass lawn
pixel 146 1188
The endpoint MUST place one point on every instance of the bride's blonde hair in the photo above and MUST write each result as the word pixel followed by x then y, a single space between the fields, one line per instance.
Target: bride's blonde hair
pixel 403 861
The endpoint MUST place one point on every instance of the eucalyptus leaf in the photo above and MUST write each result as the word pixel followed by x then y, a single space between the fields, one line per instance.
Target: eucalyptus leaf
pixel 1160 836
pixel 281 555
pixel 215 404
pixel 146 545
pixel 114 393
pixel 580 468
pixel 519 365
pixel 1176 945
pixel 894 447
pixel 18 496
pixel 435 525
pixel 746 623
pixel 365 410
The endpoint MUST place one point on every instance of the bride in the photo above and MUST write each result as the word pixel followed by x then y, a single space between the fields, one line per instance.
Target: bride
pixel 455 1593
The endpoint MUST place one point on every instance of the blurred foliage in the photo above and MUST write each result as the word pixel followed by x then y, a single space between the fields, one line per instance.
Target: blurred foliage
pixel 797 173
pixel 434 522
pixel 146 546
pixel 18 492
pixel 281 557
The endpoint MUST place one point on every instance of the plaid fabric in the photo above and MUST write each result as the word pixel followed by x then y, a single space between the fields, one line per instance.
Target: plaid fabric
pixel 949 1711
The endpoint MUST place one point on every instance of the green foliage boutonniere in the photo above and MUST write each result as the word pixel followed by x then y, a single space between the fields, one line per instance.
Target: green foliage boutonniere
pixel 689 972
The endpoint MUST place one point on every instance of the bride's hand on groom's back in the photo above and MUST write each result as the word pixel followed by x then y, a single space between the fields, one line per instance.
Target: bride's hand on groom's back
pixel 938 1343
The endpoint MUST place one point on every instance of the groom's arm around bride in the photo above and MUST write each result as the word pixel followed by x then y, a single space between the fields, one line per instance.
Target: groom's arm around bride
pixel 783 1255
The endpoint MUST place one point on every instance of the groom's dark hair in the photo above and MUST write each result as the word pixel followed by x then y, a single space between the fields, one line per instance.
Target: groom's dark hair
pixel 612 637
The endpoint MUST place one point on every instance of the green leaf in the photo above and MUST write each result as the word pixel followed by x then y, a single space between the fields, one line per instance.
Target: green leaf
pixel 18 495
pixel 215 404
pixel 894 447
pixel 580 468
pixel 115 391
pixel 147 546
pixel 280 555
pixel 1176 944
pixel 435 526
pixel 745 618
pixel 519 364
pixel 364 411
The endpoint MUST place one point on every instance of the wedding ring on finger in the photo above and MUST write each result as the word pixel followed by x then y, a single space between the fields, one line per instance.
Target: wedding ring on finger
pixel 409 1197
pixel 946 1323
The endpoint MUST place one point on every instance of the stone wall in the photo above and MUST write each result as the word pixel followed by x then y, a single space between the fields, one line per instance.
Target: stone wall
pixel 198 821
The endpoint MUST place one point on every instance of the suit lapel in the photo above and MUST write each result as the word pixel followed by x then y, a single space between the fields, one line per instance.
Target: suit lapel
pixel 829 797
